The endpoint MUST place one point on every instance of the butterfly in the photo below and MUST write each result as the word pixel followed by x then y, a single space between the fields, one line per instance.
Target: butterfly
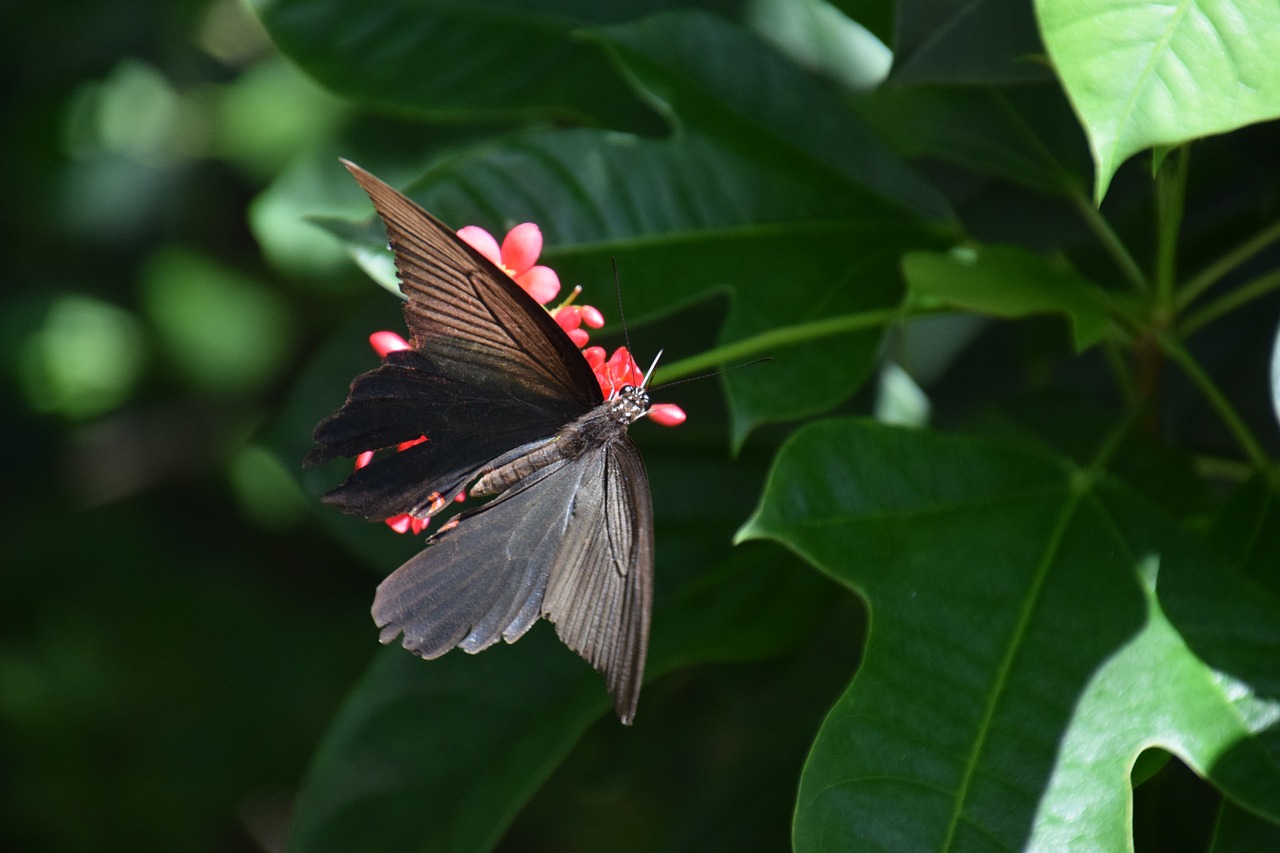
pixel 511 411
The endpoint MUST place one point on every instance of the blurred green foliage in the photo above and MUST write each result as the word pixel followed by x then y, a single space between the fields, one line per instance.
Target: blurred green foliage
pixel 176 635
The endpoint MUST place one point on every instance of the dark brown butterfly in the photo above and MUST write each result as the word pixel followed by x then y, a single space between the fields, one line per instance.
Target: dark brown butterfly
pixel 510 409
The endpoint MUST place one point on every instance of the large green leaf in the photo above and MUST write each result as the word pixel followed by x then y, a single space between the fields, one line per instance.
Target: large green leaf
pixel 450 60
pixel 1033 628
pixel 1026 134
pixel 1148 74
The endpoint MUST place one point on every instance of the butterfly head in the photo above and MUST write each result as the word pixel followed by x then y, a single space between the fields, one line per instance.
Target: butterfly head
pixel 629 404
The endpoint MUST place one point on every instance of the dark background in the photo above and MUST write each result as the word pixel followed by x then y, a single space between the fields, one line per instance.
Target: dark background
pixel 175 631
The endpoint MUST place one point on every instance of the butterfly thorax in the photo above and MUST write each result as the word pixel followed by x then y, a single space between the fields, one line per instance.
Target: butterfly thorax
pixel 604 424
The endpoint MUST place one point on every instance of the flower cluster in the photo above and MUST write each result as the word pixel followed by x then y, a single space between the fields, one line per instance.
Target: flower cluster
pixel 517 257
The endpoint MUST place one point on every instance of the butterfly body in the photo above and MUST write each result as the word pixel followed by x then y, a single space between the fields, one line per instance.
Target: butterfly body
pixel 603 425
pixel 512 412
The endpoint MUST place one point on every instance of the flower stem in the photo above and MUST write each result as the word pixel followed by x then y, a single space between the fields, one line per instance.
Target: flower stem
pixel 767 343
pixel 1211 274
pixel 1229 302
pixel 1229 416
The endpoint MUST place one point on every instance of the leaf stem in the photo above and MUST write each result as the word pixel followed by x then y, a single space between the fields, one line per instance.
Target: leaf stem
pixel 1112 443
pixel 771 341
pixel 1229 416
pixel 1110 241
pixel 1211 274
pixel 1229 302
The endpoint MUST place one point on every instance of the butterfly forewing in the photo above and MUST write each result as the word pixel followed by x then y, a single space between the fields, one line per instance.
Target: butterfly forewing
pixel 470 316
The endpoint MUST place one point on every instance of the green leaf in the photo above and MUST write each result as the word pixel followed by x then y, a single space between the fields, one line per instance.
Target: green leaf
pixel 1151 73
pixel 439 756
pixel 1019 657
pixel 451 61
pixel 1026 134
pixel 1245 530
pixel 1008 281
pixel 1239 831
pixel 726 83
pixel 973 41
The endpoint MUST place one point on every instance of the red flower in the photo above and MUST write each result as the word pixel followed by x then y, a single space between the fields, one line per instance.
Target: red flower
pixel 385 342
pixel 620 370
pixel 517 257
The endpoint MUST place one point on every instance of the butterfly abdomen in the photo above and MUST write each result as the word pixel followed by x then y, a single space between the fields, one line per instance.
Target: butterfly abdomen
pixel 511 468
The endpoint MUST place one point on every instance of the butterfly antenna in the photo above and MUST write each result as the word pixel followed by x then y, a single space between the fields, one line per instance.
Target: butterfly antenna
pixel 617 289
pixel 705 375
pixel 652 367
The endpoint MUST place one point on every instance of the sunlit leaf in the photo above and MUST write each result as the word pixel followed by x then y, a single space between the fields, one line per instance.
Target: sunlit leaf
pixel 1152 73
pixel 1033 628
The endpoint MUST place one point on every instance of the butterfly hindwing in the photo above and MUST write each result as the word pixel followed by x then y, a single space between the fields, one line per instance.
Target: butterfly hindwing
pixel 601 590
pixel 484 579
pixel 573 542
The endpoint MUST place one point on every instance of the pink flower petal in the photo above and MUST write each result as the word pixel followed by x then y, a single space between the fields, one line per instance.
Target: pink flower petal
pixel 482 241
pixel 521 247
pixel 385 342
pixel 540 282
pixel 578 337
pixel 592 317
pixel 594 356
pixel 667 414
pixel 568 317
pixel 624 369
